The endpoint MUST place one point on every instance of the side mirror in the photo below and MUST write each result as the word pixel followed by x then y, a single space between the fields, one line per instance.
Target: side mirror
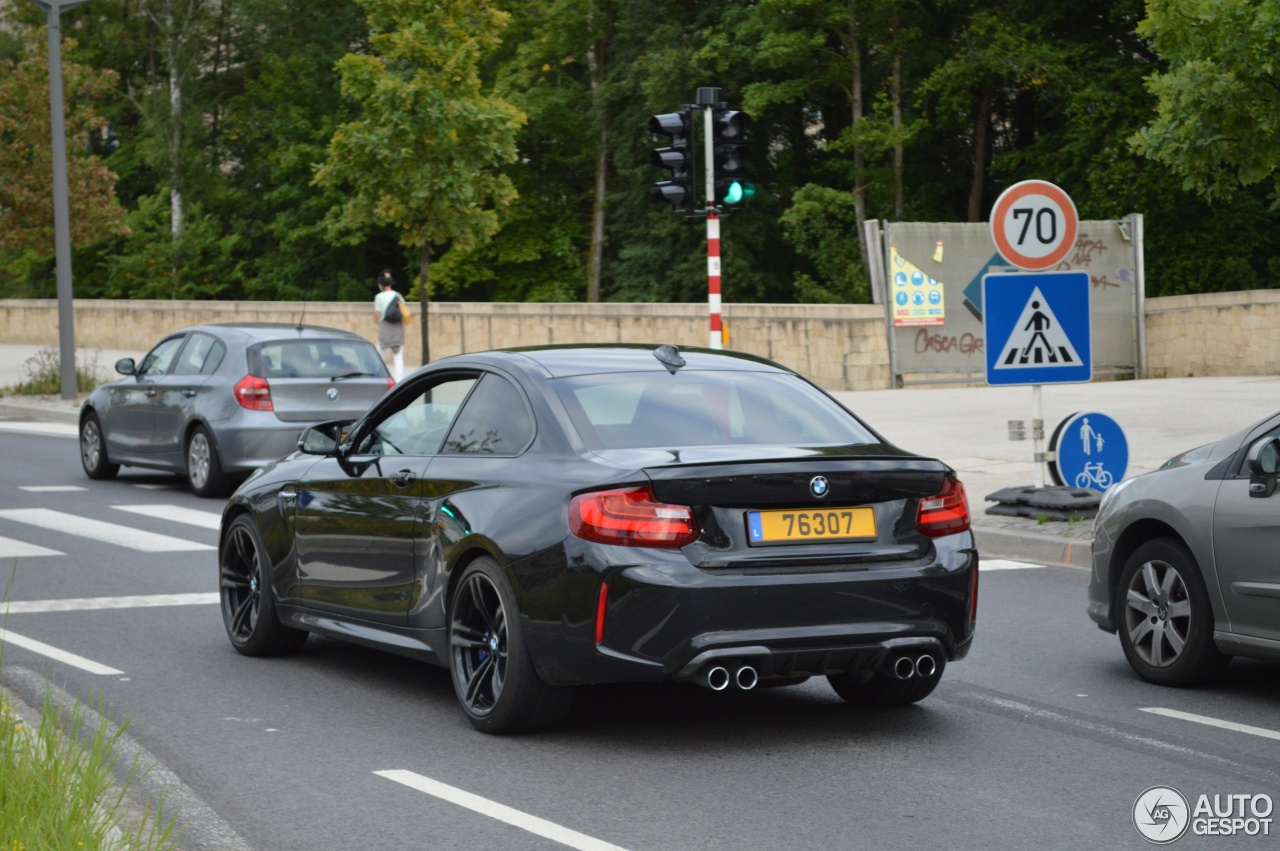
pixel 323 438
pixel 126 366
pixel 1264 467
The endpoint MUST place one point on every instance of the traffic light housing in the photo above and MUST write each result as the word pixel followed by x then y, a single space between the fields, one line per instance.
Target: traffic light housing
pixel 677 158
pixel 732 156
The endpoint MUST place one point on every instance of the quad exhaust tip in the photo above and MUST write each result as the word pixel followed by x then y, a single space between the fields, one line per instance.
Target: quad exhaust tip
pixel 926 666
pixel 717 678
pixel 904 668
pixel 747 678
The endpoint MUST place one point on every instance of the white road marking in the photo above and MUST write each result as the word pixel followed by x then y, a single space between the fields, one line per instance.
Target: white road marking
pixel 88 604
pixel 494 810
pixel 51 488
pixel 10 548
pixel 176 513
pixel 7 637
pixel 48 429
pixel 1212 722
pixel 169 487
pixel 107 533
pixel 1005 564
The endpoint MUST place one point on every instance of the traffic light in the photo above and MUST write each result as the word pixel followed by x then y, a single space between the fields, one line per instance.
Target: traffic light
pixel 677 158
pixel 729 129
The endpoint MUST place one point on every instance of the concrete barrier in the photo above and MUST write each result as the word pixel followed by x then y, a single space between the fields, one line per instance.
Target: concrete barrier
pixel 841 347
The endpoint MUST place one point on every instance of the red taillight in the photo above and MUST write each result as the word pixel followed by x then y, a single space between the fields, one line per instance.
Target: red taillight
pixel 631 517
pixel 945 513
pixel 601 604
pixel 973 603
pixel 253 393
pixel 391 382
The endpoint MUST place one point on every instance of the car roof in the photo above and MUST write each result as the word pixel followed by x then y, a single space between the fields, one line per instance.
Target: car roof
pixel 255 332
pixel 560 361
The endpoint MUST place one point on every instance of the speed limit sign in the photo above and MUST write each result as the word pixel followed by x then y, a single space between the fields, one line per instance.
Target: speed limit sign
pixel 1034 225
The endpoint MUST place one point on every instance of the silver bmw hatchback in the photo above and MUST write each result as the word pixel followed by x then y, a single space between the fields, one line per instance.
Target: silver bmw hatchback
pixel 1184 559
pixel 215 402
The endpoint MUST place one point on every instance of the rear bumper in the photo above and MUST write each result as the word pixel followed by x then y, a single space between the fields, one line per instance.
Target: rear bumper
pixel 668 620
pixel 254 439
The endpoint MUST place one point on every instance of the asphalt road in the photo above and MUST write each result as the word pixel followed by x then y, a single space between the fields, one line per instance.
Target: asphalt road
pixel 1040 738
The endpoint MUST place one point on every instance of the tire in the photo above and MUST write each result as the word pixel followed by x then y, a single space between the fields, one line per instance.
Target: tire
pixel 1166 623
pixel 204 470
pixel 493 677
pixel 247 597
pixel 869 688
pixel 93 450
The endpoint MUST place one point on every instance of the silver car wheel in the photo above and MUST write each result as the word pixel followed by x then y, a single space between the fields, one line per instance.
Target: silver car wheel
pixel 90 444
pixel 198 454
pixel 1158 613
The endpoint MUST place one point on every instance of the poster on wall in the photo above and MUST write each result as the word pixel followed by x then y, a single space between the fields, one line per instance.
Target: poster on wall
pixel 917 297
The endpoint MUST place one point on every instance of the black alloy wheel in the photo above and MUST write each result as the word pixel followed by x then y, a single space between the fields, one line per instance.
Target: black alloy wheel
pixel 248 602
pixel 204 470
pixel 493 677
pixel 93 450
pixel 871 688
pixel 1167 625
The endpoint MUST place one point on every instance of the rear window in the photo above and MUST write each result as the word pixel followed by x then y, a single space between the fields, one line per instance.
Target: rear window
pixel 315 359
pixel 690 408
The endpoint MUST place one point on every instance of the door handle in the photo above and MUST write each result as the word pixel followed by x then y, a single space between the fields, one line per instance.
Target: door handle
pixel 402 478
pixel 288 493
pixel 188 393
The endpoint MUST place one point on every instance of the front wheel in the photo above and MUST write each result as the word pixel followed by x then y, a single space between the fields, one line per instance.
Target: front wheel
pixel 204 470
pixel 247 597
pixel 493 677
pixel 869 688
pixel 93 450
pixel 1167 627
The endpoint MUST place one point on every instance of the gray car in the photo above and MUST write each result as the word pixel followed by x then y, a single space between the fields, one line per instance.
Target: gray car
pixel 1185 564
pixel 215 402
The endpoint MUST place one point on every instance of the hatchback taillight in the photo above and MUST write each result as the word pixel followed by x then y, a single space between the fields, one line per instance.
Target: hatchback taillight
pixel 253 393
pixel 391 382
pixel 631 517
pixel 944 513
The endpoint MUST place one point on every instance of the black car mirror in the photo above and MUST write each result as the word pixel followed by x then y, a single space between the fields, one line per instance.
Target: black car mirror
pixel 323 438
pixel 1264 465
pixel 126 366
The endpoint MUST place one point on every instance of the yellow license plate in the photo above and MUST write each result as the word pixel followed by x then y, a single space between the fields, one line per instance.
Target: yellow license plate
pixel 827 524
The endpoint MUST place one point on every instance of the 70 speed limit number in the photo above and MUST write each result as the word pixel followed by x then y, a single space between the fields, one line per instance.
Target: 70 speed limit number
pixel 1034 224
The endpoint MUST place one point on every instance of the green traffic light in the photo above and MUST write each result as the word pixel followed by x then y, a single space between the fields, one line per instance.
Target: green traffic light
pixel 735 194
pixel 737 191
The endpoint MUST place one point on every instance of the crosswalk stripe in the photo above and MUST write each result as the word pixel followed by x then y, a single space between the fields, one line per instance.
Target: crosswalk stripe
pixel 7 637
pixel 10 548
pixel 51 488
pixel 87 604
pixel 154 487
pixel 176 513
pixel 1005 564
pixel 107 533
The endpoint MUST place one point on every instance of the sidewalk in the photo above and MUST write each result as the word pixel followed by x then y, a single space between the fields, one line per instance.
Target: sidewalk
pixel 964 426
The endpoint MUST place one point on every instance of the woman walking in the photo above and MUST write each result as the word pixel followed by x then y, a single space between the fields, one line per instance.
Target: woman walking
pixel 392 312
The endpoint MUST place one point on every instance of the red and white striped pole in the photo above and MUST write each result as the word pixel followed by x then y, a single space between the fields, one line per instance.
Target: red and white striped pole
pixel 713 278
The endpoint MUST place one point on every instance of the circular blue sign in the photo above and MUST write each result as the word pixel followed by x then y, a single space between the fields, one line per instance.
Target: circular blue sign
pixel 900 278
pixel 1089 451
pixel 917 298
pixel 901 299
pixel 917 278
pixel 935 297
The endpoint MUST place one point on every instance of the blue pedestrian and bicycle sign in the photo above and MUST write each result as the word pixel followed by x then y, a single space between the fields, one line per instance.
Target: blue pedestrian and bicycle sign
pixel 1037 328
pixel 1088 450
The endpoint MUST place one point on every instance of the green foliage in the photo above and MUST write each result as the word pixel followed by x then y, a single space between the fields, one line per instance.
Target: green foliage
pixel 818 225
pixel 42 375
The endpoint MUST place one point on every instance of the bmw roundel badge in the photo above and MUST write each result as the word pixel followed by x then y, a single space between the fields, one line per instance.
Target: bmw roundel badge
pixel 333 393
pixel 818 486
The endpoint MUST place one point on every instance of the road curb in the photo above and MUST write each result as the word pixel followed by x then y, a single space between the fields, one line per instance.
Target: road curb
pixel 40 411
pixel 1031 546
pixel 202 828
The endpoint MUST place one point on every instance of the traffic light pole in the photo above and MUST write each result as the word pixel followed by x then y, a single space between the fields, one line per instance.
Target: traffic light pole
pixel 716 335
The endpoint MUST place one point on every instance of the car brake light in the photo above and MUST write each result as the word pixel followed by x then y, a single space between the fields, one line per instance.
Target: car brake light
pixel 602 604
pixel 253 393
pixel 944 513
pixel 391 382
pixel 973 604
pixel 631 517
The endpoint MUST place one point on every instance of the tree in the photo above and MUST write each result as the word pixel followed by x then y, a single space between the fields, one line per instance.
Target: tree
pixel 26 170
pixel 425 156
pixel 1217 118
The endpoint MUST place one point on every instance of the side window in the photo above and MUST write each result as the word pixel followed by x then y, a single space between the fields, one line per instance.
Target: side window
pixel 495 421
pixel 214 360
pixel 194 354
pixel 159 359
pixel 420 426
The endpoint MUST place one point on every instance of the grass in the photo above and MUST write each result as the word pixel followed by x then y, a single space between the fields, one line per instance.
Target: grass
pixel 42 374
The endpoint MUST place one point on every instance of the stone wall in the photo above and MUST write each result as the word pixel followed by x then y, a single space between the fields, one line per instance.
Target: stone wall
pixel 841 347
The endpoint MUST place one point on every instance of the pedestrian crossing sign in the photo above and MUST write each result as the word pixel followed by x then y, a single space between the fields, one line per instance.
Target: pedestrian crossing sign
pixel 1037 328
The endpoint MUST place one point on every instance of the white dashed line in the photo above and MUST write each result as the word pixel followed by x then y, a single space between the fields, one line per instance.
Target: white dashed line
pixel 152 487
pixel 177 514
pixel 7 637
pixel 10 548
pixel 107 533
pixel 501 812
pixel 88 604
pixel 47 429
pixel 1212 722
pixel 1005 564
pixel 51 488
